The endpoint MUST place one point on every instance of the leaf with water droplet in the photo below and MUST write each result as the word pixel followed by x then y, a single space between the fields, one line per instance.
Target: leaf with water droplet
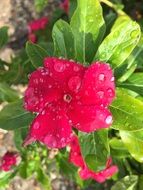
pixel 63 40
pixel 36 54
pixel 119 44
pixel 95 148
pixel 88 27
pixel 127 112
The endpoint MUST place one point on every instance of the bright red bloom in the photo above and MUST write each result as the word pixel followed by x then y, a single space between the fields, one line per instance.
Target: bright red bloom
pixel 85 173
pixel 8 160
pixel 38 24
pixel 32 37
pixel 65 5
pixel 66 94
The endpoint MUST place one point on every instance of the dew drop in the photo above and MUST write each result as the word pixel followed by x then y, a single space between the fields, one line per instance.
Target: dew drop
pixel 100 94
pixel 50 141
pixel 74 83
pixel 101 77
pixel 112 79
pixel 76 68
pixel 110 92
pixel 108 119
pixel 59 66
pixel 36 125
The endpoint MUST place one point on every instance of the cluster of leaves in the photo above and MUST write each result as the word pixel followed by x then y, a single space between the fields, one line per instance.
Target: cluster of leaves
pixel 89 36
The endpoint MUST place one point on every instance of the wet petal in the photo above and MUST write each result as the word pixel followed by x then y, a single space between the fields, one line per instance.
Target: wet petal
pixel 75 156
pixel 51 127
pixel 89 118
pixel 67 73
pixel 41 90
pixel 98 85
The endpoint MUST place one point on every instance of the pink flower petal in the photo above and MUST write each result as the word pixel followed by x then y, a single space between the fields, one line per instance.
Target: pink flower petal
pixel 89 118
pixel 85 173
pixel 8 160
pixel 51 127
pixel 65 6
pixel 75 156
pixel 42 89
pixel 68 73
pixel 38 24
pixel 98 85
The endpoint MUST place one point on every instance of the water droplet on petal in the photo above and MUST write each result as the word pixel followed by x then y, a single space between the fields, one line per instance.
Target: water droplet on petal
pixel 110 92
pixel 112 79
pixel 108 119
pixel 59 66
pixel 101 77
pixel 43 112
pixel 76 68
pixel 50 141
pixel 36 125
pixel 100 94
pixel 74 83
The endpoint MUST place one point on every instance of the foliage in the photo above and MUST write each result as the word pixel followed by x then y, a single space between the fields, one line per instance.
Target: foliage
pixel 92 31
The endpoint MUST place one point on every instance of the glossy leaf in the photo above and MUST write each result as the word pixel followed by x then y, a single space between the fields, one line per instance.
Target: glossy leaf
pixel 7 93
pixel 88 28
pixel 119 44
pixel 127 112
pixel 13 116
pixel 118 148
pixel 135 83
pixel 3 36
pixel 134 143
pixel 63 40
pixel 95 148
pixel 127 183
pixel 36 54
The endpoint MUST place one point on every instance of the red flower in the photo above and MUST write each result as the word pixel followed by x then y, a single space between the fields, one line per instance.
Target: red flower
pixel 85 173
pixel 66 94
pixel 65 5
pixel 8 160
pixel 32 37
pixel 38 24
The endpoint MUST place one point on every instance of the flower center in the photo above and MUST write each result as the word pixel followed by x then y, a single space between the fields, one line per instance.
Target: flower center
pixel 67 98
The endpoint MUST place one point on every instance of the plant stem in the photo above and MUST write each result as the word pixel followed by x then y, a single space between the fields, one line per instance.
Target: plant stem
pixel 113 6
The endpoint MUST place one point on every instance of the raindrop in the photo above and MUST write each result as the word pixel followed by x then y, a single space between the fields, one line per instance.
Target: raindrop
pixel 74 83
pixel 59 66
pixel 36 125
pixel 76 68
pixel 110 92
pixel 101 77
pixel 43 112
pixel 100 94
pixel 108 119
pixel 112 79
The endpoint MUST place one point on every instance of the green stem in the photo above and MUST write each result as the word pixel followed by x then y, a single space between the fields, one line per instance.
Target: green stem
pixel 113 6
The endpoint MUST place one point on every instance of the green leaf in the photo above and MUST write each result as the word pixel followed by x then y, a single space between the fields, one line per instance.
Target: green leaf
pixel 3 36
pixel 40 4
pixel 127 183
pixel 36 54
pixel 88 28
pixel 7 93
pixel 13 116
pixel 134 143
pixel 95 148
pixel 118 148
pixel 5 178
pixel 119 44
pixel 135 83
pixel 63 40
pixel 127 112
pixel 43 179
